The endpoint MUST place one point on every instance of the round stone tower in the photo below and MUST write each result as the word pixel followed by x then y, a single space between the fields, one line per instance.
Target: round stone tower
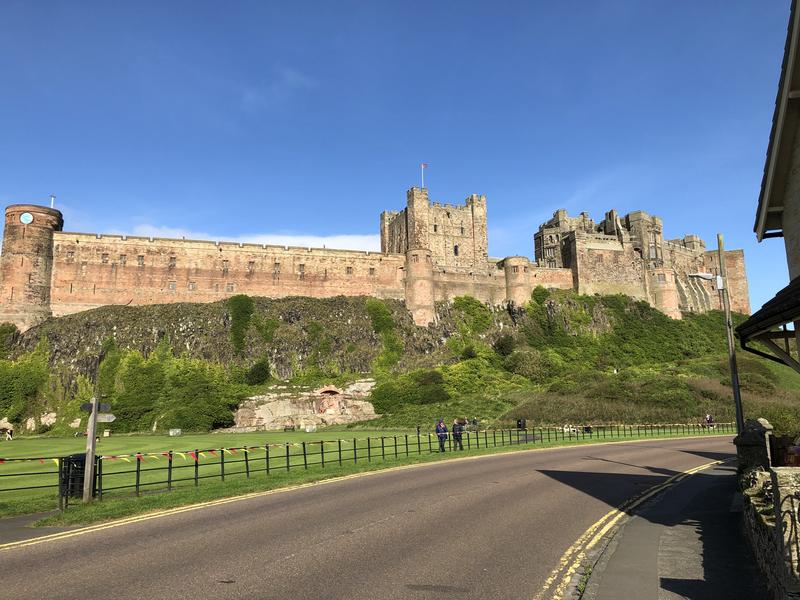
pixel 419 285
pixel 26 265
pixel 518 286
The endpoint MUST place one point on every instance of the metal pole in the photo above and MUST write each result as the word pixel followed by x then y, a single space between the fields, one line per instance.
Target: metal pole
pixel 726 302
pixel 88 473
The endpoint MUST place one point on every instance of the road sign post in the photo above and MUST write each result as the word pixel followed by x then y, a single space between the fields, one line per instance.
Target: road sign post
pixel 88 473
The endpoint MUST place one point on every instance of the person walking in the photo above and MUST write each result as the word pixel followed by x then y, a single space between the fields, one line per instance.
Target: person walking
pixel 458 430
pixel 441 433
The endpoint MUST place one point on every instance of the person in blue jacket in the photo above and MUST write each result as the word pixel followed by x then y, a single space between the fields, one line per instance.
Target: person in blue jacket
pixel 441 433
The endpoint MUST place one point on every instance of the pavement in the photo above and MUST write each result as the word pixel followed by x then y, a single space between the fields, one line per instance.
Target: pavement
pixel 491 527
pixel 688 543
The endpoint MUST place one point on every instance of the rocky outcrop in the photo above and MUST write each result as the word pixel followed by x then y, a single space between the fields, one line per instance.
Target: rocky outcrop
pixel 286 407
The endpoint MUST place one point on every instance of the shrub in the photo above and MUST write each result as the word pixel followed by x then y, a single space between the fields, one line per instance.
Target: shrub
pixel 425 386
pixel 505 345
pixel 469 352
pixel 380 315
pixel 241 308
pixel 258 373
pixel 539 294
pixel 477 316
pixel 266 328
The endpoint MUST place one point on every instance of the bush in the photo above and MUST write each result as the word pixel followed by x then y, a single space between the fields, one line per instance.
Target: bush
pixel 425 386
pixel 241 308
pixel 469 352
pixel 539 294
pixel 258 373
pixel 380 315
pixel 505 345
pixel 477 316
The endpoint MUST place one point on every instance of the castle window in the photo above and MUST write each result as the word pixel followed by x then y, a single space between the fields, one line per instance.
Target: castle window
pixel 372 271
pixel 301 269
pixel 192 286
pixel 435 228
pixel 448 214
pixel 172 262
pixel 104 258
pixel 662 278
pixel 551 264
pixel 251 266
pixel 653 252
pixel 455 250
pixel 276 270
pixel 524 269
pixel 140 260
pixel 216 287
pixel 173 285
pixel 230 287
pixel 349 270
pixel 70 255
pixel 462 230
pixel 414 258
pixel 514 269
pixel 123 259
pixel 224 266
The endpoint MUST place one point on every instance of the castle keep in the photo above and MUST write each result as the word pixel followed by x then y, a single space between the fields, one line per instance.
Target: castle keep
pixel 430 252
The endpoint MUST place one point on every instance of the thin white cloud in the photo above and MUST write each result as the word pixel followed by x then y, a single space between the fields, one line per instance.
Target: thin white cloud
pixel 370 242
pixel 286 83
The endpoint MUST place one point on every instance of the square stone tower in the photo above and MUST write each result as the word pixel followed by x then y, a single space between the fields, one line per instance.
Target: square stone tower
pixel 456 235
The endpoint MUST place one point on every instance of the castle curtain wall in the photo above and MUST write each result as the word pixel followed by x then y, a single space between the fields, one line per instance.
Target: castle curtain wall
pixel 91 270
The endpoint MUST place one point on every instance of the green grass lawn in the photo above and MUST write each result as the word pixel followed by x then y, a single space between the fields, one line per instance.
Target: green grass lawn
pixel 192 481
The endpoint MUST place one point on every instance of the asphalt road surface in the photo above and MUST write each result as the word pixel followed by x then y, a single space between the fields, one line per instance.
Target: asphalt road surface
pixel 492 527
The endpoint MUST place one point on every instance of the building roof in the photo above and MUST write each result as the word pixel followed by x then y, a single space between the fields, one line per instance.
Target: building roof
pixel 784 308
pixel 769 215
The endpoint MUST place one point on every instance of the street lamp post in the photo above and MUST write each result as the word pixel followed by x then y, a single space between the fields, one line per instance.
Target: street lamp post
pixel 722 287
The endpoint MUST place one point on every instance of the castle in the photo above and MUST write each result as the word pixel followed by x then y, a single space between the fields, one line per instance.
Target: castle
pixel 430 252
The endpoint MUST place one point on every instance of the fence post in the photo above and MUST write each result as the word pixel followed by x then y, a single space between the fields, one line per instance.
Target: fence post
pixel 266 456
pixel 139 458
pixel 485 439
pixel 355 451
pixel 340 452
pixel 287 456
pixel 99 475
pixel 196 467
pixel 369 449
pixel 246 461
pixel 494 438
pixel 406 436
pixel 430 444
pixel 222 463
pixel 478 439
pixel 169 471
pixel 419 445
pixel 395 446
pixel 322 453
pixel 383 448
pixel 305 457
pixel 60 484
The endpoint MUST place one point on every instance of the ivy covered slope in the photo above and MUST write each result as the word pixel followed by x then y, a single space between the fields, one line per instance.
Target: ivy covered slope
pixel 562 358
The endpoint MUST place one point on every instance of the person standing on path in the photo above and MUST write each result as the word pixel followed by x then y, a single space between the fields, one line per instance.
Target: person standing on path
pixel 458 430
pixel 441 433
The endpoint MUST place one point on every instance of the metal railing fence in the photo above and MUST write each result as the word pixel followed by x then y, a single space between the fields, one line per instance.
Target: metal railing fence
pixel 143 472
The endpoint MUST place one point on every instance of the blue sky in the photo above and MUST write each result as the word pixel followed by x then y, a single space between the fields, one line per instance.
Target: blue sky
pixel 299 122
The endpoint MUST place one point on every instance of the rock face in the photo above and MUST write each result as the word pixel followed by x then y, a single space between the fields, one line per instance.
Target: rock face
pixel 291 408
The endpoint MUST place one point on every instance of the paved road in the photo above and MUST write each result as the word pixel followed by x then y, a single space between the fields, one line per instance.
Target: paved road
pixel 493 527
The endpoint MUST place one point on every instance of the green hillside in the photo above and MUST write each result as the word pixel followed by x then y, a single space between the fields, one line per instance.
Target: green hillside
pixel 563 358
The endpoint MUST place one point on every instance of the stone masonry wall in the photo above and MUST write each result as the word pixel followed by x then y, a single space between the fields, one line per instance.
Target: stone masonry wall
pixel 94 270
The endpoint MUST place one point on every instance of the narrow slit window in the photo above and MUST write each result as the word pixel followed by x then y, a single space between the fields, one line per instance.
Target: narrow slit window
pixel 455 250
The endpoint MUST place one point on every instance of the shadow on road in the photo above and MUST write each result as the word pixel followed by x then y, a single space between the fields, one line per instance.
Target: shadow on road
pixel 702 553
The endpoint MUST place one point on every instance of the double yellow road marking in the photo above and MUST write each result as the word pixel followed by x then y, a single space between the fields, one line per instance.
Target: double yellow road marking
pixel 572 559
